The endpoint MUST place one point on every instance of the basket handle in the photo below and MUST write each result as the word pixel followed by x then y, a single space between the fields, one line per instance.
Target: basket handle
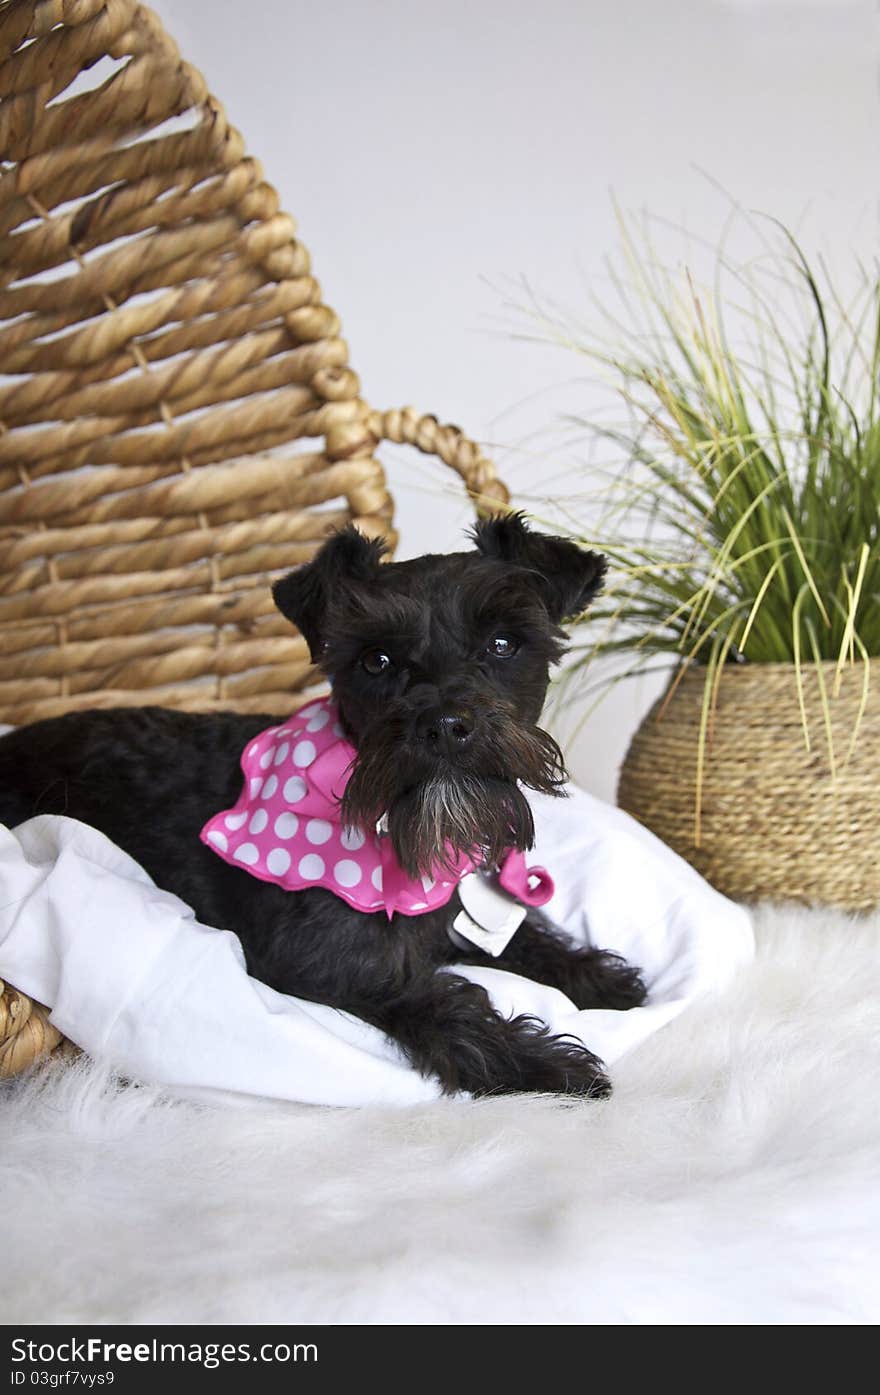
pixel 404 426
pixel 26 1034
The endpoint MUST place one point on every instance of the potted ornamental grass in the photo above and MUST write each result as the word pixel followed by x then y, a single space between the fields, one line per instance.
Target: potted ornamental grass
pixel 741 522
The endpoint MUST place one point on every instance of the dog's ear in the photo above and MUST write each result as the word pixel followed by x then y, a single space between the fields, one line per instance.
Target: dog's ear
pixel 302 596
pixel 567 576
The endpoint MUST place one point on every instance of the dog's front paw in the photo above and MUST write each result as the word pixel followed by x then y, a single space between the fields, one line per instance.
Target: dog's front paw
pixel 450 1031
pixel 530 1059
pixel 562 1066
pixel 605 980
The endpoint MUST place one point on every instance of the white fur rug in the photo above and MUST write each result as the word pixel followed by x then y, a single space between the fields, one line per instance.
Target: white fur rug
pixel 734 1177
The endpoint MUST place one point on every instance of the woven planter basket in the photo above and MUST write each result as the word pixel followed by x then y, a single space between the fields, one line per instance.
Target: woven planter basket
pixel 773 820
pixel 179 422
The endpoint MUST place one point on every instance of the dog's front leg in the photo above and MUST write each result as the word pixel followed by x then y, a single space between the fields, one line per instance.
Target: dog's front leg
pixel 447 1027
pixel 592 978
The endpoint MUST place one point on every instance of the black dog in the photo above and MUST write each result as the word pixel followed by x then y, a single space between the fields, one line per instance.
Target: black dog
pixel 439 667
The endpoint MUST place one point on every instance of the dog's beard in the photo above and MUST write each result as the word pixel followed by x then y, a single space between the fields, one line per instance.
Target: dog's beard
pixel 440 812
pixel 432 824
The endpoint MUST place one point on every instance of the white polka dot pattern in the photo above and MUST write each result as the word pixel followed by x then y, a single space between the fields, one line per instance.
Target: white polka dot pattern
pixel 304 753
pixel 347 873
pixel 248 853
pixel 352 839
pixel 278 861
pixel 286 826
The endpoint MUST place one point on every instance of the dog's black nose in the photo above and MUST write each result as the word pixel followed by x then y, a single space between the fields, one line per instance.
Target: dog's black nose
pixel 447 732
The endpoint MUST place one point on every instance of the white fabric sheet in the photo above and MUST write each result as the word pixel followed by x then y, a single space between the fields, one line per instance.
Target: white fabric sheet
pixel 134 979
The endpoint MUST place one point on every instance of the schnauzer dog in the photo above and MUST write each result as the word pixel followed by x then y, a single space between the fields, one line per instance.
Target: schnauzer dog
pixel 347 864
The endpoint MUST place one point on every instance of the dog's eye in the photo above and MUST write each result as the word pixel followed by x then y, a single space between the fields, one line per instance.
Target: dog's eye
pixel 502 646
pixel 375 661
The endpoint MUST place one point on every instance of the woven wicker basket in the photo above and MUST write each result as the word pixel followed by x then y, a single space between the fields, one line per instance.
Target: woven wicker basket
pixel 179 423
pixel 773 818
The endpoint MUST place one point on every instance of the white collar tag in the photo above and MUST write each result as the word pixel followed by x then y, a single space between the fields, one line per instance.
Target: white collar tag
pixel 489 917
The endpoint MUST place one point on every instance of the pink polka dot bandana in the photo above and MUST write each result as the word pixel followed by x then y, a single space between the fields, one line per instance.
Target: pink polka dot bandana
pixel 286 827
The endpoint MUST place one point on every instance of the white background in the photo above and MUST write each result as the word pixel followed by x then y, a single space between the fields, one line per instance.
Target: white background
pixel 434 154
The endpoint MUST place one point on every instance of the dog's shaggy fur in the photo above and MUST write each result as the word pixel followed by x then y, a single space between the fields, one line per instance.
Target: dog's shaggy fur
pixel 439 667
pixel 732 1178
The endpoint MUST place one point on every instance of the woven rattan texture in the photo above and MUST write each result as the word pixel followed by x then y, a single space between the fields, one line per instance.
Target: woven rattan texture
pixel 775 820
pixel 179 422
pixel 26 1034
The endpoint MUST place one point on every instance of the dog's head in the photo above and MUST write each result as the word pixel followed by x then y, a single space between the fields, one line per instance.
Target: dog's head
pixel 440 667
